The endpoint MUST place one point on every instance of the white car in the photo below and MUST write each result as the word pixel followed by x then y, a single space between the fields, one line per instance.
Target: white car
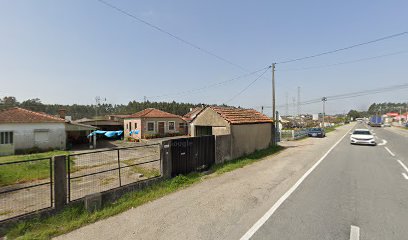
pixel 362 136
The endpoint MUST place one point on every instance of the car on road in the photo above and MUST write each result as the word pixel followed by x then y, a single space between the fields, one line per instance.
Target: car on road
pixel 362 136
pixel 387 124
pixel 316 132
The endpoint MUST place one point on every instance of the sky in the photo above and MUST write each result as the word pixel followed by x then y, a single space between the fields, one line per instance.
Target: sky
pixel 70 51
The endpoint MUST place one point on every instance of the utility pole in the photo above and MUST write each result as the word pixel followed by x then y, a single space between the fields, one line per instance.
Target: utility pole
pixel 298 102
pixel 324 99
pixel 400 120
pixel 287 105
pixel 273 106
pixel 262 109
pixel 97 103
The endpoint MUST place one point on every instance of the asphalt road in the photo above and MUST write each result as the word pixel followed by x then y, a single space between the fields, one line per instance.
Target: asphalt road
pixel 356 192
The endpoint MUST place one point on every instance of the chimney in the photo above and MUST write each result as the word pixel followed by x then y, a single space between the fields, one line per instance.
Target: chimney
pixel 61 113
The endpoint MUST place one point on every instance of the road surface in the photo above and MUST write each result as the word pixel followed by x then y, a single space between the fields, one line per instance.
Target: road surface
pixel 350 192
pixel 360 186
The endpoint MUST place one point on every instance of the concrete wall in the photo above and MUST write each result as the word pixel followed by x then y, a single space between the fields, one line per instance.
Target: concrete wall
pixel 210 118
pixel 53 134
pixel 247 138
pixel 222 148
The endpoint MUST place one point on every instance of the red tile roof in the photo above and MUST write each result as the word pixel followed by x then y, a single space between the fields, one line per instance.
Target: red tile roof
pixel 21 115
pixel 191 115
pixel 153 113
pixel 241 116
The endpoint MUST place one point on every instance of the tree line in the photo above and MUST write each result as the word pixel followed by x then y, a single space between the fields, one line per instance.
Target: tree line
pixel 78 111
pixel 379 109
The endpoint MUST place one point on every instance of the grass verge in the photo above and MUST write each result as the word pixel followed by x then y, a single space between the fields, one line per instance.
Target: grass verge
pixel 76 216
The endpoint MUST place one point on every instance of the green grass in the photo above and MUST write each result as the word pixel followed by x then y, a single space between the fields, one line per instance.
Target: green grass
pixel 13 158
pixel 76 216
pixel 330 129
pixel 26 172
pixel 243 161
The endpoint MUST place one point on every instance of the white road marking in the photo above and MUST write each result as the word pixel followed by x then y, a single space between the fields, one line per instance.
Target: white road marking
pixel 282 199
pixel 403 165
pixel 383 143
pixel 354 233
pixel 392 154
pixel 405 175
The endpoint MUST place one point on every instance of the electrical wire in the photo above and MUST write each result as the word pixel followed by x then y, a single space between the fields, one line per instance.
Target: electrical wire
pixel 349 95
pixel 343 63
pixel 171 34
pixel 184 93
pixel 344 48
pixel 249 85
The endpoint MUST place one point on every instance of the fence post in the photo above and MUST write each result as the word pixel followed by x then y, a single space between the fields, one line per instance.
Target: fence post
pixel 165 156
pixel 293 134
pixel 120 177
pixel 60 181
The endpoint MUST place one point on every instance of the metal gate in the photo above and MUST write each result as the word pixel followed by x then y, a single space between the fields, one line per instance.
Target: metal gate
pixel 191 154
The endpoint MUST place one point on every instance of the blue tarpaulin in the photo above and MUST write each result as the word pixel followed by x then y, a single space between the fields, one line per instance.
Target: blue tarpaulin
pixel 109 134
pixel 133 131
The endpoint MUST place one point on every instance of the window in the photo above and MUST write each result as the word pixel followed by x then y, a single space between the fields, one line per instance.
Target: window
pixel 135 125
pixel 41 136
pixel 130 126
pixel 127 126
pixel 150 126
pixel 6 137
pixel 181 126
pixel 171 126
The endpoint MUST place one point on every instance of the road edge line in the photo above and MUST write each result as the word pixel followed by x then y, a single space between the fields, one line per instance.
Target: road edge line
pixel 282 199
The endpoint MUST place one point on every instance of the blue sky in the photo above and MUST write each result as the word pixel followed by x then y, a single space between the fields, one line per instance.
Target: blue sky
pixel 71 51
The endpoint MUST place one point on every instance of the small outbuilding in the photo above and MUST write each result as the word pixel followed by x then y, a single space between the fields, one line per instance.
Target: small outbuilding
pixel 240 131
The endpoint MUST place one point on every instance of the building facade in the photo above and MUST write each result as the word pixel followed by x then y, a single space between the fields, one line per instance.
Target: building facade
pixel 21 129
pixel 151 123
pixel 246 129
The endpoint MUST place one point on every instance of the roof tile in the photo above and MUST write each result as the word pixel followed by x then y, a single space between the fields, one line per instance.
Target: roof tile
pixel 153 113
pixel 241 116
pixel 21 115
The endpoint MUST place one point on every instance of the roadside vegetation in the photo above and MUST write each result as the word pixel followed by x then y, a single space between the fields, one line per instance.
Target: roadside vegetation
pixel 330 129
pixel 26 171
pixel 76 216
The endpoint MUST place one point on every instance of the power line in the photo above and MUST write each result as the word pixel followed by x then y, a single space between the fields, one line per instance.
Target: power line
pixel 344 48
pixel 170 34
pixel 208 86
pixel 352 95
pixel 250 84
pixel 343 63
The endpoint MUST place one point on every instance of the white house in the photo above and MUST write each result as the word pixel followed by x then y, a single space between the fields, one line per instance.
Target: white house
pixel 22 129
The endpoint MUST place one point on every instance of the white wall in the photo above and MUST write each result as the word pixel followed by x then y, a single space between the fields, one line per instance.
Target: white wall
pixel 24 135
